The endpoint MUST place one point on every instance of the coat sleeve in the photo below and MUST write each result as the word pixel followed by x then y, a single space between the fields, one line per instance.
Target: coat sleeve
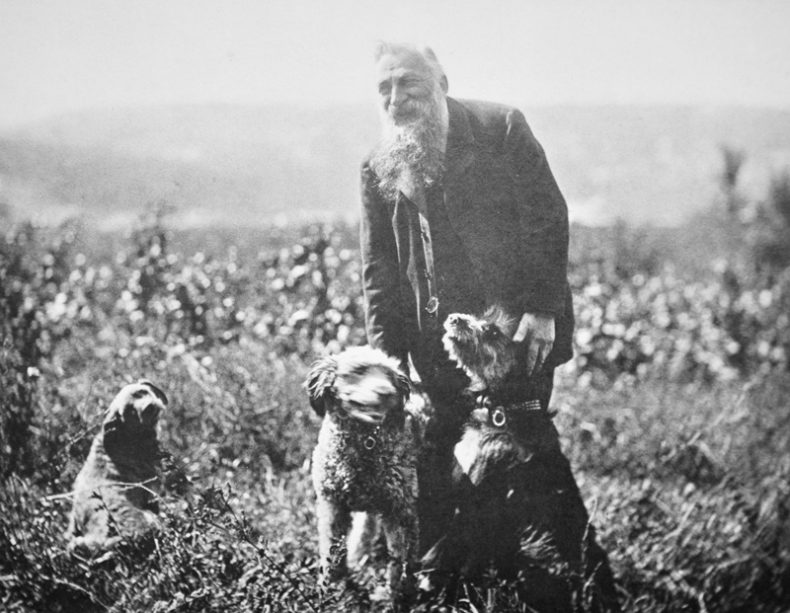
pixel 543 219
pixel 380 272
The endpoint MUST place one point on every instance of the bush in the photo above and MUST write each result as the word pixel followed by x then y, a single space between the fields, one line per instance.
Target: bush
pixel 692 501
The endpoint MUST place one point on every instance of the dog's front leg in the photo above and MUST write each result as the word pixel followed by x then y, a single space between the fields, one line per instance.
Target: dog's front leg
pixel 333 523
pixel 361 539
pixel 402 536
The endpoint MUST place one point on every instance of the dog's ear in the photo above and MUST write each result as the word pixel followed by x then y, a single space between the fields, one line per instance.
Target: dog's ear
pixel 157 392
pixel 498 316
pixel 320 384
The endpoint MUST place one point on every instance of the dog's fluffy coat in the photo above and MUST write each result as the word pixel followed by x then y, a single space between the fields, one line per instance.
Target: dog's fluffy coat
pixel 496 440
pixel 365 459
pixel 519 508
pixel 113 494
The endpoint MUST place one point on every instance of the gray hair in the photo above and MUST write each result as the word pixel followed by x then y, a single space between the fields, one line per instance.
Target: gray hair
pixel 426 53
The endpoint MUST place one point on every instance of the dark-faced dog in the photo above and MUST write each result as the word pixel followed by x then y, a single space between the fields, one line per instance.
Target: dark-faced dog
pixel 519 512
pixel 365 459
pixel 113 494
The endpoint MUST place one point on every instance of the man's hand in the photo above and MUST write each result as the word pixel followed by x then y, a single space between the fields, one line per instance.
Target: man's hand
pixel 538 332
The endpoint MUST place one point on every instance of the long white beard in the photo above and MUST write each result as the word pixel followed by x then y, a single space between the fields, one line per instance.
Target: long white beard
pixel 412 154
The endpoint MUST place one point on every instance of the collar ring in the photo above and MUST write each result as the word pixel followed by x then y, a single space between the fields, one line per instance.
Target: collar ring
pixel 498 417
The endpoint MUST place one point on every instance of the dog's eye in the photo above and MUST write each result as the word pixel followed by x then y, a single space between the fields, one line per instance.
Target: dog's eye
pixel 492 332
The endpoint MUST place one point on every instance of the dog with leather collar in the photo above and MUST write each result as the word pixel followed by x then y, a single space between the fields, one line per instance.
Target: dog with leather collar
pixel 499 472
pixel 519 511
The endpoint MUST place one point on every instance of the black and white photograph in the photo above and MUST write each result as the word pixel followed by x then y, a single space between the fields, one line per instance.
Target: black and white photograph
pixel 426 306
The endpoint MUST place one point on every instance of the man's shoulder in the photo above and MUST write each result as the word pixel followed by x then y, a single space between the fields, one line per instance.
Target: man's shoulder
pixel 484 107
pixel 488 120
pixel 487 112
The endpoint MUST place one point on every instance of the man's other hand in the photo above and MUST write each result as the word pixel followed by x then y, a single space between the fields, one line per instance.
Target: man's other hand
pixel 538 332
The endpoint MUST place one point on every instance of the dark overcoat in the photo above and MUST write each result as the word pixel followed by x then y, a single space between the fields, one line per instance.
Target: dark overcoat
pixel 504 205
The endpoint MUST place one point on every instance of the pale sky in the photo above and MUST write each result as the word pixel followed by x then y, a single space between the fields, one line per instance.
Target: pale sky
pixel 63 55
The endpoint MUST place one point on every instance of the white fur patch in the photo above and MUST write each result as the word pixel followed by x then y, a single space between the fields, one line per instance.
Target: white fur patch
pixel 467 449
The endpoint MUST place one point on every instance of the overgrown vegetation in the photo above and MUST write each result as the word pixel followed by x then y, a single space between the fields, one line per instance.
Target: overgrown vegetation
pixel 674 413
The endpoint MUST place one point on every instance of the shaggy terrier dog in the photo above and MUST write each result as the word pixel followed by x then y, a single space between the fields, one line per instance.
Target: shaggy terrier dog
pixel 500 436
pixel 519 513
pixel 365 461
pixel 113 493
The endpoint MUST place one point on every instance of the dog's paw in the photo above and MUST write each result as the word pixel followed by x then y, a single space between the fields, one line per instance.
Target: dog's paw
pixel 425 583
pixel 380 593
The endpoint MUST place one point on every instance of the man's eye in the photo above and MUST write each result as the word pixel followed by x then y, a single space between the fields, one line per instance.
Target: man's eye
pixel 384 89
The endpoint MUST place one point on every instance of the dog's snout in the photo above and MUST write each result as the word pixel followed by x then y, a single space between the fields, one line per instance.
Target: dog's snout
pixel 150 411
pixel 130 414
pixel 456 320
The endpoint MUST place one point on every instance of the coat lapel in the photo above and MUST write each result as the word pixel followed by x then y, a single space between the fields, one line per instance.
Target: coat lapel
pixel 458 181
pixel 411 191
pixel 459 188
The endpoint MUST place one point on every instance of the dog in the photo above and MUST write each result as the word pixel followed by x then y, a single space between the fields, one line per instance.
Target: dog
pixel 519 513
pixel 113 495
pixel 365 461
pixel 499 436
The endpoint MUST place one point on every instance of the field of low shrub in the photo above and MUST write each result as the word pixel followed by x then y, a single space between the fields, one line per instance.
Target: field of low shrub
pixel 674 414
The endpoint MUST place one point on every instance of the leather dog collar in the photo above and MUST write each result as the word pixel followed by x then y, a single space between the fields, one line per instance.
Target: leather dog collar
pixel 497 412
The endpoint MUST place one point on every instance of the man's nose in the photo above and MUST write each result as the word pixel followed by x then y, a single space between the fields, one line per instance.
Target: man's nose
pixel 397 95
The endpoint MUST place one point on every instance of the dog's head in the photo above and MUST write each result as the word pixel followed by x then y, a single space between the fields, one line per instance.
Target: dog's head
pixel 361 383
pixel 482 346
pixel 134 413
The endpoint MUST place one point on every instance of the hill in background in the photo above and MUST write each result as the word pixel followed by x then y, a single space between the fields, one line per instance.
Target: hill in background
pixel 234 165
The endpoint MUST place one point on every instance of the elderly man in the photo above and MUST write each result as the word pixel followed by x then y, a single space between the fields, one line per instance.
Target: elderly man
pixel 460 211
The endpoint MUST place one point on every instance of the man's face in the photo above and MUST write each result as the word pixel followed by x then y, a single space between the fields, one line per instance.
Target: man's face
pixel 407 87
pixel 414 118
